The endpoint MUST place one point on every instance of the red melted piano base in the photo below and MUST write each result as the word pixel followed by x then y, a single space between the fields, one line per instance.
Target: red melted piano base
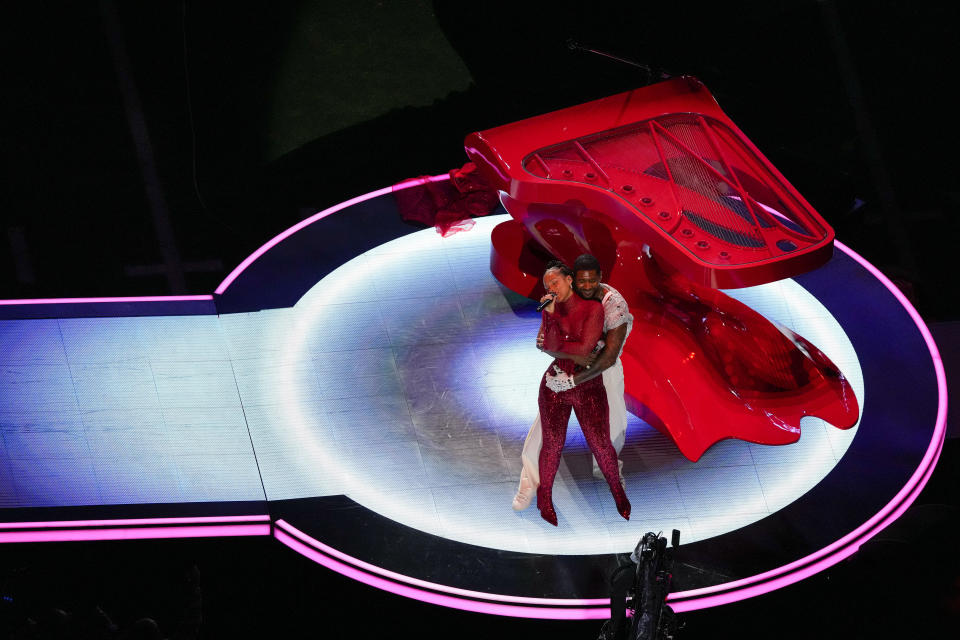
pixel 699 366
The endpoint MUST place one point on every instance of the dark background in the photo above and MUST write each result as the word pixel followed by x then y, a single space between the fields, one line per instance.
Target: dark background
pixel 256 114
pixel 150 146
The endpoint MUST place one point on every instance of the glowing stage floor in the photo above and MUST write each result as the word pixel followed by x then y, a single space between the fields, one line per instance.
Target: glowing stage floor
pixel 373 412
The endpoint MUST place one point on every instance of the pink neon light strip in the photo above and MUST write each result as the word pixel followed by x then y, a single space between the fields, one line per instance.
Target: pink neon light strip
pixel 791 578
pixel 319 216
pixel 206 296
pixel 139 533
pixel 437 598
pixel 328 550
pixel 131 521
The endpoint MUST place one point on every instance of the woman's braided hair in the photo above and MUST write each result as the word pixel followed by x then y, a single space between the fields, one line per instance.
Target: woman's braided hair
pixel 558 266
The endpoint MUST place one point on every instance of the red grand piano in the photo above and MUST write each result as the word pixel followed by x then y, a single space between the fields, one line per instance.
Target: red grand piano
pixel 675 202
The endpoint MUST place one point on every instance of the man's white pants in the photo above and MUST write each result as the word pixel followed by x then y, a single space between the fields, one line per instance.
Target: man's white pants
pixel 613 383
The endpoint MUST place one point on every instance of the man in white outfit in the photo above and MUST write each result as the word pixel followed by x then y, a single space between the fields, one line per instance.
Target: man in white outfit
pixel 617 324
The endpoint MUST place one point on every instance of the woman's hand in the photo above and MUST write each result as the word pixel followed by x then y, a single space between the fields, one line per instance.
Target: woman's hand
pixel 548 297
pixel 560 382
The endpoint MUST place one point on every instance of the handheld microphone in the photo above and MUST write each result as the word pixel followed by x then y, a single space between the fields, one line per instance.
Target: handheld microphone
pixel 543 305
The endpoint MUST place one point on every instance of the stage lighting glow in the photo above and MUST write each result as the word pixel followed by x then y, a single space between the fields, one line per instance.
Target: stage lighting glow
pixel 374 432
pixel 120 522
pixel 135 533
pixel 129 299
pixel 487 391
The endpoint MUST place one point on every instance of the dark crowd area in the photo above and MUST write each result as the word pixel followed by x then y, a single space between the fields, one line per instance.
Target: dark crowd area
pixel 149 147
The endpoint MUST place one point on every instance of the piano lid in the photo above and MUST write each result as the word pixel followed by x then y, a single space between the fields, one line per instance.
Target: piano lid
pixel 710 202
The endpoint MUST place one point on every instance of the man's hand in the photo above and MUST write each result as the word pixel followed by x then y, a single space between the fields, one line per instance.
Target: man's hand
pixel 599 361
pixel 561 382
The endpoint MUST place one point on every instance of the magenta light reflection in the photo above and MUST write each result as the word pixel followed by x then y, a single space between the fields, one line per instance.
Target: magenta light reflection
pixel 319 216
pixel 102 300
pixel 131 521
pixel 135 533
pixel 437 598
pixel 330 551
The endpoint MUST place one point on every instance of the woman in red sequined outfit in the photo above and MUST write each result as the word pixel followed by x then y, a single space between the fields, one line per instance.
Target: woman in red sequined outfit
pixel 572 325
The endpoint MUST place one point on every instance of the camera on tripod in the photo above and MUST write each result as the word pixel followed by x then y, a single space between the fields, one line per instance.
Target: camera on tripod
pixel 643 585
